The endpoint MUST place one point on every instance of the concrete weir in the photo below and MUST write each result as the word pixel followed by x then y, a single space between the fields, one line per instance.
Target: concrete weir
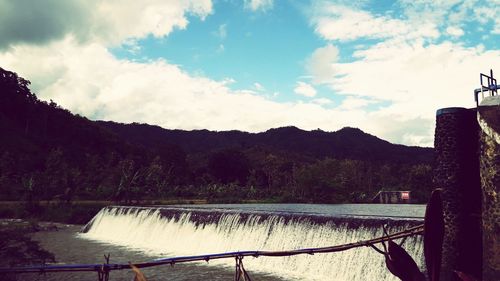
pixel 468 173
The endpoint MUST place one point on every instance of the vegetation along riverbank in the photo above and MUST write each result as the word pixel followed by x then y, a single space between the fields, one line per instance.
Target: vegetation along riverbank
pixel 50 154
pixel 75 212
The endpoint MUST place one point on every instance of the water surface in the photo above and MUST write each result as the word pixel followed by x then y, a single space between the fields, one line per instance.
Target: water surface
pixel 399 211
pixel 143 234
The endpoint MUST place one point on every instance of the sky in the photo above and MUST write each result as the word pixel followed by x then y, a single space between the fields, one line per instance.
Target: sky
pixel 251 65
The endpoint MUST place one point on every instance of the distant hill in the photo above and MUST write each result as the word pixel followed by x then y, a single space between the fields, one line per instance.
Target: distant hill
pixel 47 152
pixel 346 143
pixel 29 125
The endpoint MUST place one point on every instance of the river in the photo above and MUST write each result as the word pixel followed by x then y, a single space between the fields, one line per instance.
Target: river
pixel 139 234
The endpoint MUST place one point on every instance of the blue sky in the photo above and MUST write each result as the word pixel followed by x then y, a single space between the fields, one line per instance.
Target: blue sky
pixel 382 66
pixel 267 46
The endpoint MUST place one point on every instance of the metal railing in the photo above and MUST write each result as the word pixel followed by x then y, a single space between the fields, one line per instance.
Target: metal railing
pixel 104 269
pixel 488 84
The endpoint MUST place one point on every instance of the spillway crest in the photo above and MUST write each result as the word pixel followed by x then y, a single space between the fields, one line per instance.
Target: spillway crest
pixel 169 232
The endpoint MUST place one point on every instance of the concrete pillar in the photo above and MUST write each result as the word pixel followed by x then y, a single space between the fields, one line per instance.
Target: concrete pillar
pixel 457 174
pixel 489 121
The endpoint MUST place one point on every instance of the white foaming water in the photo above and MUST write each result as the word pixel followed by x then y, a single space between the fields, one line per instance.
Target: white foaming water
pixel 149 231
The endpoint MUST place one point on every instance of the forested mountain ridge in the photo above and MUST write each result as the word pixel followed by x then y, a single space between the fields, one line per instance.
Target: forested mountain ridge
pixel 346 143
pixel 46 152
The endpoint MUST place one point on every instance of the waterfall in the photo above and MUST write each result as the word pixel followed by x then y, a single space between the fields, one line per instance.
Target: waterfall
pixel 188 232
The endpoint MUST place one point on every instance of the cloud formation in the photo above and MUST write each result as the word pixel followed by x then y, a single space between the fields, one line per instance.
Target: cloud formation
pixel 38 22
pixel 305 89
pixel 107 22
pixel 259 5
pixel 321 64
pixel 410 73
pixel 221 31
pixel 337 22
pixel 454 31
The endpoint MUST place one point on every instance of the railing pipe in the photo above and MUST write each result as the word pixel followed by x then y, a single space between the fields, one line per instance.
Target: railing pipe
pixel 416 230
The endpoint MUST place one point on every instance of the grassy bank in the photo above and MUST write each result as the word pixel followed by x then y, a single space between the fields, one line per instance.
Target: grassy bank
pixel 74 213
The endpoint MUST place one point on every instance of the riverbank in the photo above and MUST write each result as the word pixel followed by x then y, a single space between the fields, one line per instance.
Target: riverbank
pixel 82 211
pixel 74 213
pixel 17 248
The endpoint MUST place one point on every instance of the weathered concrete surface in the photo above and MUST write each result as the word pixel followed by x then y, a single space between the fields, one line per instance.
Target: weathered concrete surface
pixel 489 122
pixel 490 100
pixel 457 174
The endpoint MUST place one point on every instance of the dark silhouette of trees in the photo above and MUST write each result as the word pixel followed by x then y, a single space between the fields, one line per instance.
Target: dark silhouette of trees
pixel 48 153
pixel 229 166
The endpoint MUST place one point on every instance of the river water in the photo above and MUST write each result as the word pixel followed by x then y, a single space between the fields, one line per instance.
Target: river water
pixel 147 233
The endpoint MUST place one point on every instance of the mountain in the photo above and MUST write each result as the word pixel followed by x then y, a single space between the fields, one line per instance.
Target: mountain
pixel 346 143
pixel 46 149
pixel 29 124
pixel 47 153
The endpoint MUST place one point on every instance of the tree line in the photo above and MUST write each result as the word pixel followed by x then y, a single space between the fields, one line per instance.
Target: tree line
pixel 48 153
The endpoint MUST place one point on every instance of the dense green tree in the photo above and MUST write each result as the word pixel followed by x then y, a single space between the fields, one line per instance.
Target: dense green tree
pixel 128 186
pixel 9 178
pixel 155 179
pixel 56 174
pixel 228 166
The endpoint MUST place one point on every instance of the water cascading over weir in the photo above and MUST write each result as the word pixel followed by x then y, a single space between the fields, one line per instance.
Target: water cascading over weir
pixel 169 232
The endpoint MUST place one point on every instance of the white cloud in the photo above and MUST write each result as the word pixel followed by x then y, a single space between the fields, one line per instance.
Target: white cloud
pixel 489 13
pixel 337 22
pixel 132 46
pixel 221 31
pixel 450 13
pixel 118 20
pixel 413 131
pixel 421 77
pixel 322 101
pixel 320 64
pixel 305 89
pixel 258 86
pixel 414 80
pixel 350 103
pixel 417 20
pixel 228 81
pixel 256 5
pixel 454 31
pixel 408 73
